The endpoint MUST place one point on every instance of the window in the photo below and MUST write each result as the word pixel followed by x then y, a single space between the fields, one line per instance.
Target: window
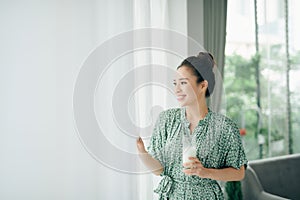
pixel 269 136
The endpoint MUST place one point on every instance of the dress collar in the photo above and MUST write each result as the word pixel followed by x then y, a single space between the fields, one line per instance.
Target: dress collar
pixel 186 123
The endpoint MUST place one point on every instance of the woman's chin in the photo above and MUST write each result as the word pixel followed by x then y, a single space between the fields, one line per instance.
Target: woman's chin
pixel 182 104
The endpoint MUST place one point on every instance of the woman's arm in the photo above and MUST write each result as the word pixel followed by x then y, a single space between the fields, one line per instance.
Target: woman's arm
pixel 151 163
pixel 226 174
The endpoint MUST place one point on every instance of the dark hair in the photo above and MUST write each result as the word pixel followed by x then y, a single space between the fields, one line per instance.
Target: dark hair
pixel 202 67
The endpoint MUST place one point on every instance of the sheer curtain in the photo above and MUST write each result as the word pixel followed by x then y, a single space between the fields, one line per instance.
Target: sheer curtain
pixel 44 46
pixel 151 99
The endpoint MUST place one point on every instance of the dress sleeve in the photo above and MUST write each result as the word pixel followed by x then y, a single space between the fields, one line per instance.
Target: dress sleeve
pixel 158 138
pixel 235 156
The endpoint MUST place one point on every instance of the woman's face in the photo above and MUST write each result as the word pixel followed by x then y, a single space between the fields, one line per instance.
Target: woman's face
pixel 186 89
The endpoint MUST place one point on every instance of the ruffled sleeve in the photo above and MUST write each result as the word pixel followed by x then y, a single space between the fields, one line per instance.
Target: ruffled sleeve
pixel 235 156
pixel 158 139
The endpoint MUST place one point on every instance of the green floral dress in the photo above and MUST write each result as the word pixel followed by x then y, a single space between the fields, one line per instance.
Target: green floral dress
pixel 218 145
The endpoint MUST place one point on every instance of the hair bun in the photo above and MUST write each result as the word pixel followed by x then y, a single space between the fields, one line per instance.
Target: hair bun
pixel 208 56
pixel 204 64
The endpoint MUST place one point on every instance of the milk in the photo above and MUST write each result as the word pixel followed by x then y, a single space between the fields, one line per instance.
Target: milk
pixel 189 151
pixel 188 147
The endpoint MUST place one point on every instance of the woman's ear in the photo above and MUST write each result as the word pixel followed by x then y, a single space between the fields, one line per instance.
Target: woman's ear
pixel 203 86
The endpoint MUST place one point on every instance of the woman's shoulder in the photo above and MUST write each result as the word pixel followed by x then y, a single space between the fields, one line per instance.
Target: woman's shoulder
pixel 224 122
pixel 170 113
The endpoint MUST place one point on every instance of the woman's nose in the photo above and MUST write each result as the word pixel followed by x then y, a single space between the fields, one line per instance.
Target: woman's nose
pixel 177 88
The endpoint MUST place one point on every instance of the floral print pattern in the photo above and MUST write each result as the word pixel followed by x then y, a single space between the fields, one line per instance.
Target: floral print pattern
pixel 218 145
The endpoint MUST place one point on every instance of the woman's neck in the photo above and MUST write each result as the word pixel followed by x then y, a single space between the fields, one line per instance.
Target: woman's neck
pixel 196 112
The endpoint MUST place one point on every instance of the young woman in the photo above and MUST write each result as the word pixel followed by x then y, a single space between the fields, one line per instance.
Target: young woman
pixel 219 151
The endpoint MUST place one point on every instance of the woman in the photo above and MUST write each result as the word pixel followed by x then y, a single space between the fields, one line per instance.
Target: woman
pixel 219 151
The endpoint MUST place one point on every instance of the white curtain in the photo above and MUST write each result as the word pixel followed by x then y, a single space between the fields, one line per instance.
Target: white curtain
pixel 151 99
pixel 44 45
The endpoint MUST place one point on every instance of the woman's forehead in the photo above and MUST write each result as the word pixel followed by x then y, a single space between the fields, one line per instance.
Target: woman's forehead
pixel 183 73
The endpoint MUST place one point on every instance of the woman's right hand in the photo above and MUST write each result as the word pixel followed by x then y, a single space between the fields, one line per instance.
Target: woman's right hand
pixel 151 163
pixel 140 145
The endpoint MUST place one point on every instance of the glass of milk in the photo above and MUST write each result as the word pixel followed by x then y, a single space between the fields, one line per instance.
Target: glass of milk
pixel 188 149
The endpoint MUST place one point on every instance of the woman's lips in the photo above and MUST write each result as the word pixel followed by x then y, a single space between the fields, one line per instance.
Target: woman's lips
pixel 180 97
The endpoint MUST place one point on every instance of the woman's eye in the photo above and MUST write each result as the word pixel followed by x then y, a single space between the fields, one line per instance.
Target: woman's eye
pixel 181 83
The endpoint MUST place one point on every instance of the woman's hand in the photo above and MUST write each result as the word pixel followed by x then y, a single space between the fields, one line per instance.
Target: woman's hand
pixel 140 145
pixel 195 167
pixel 151 163
pixel 224 174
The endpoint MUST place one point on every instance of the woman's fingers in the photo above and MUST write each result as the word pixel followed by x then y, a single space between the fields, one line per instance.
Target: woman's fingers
pixel 139 140
pixel 140 144
pixel 197 170
pixel 194 167
pixel 188 164
pixel 195 159
pixel 192 171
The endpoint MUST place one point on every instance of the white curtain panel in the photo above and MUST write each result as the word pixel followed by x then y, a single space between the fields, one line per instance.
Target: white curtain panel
pixel 45 46
pixel 152 98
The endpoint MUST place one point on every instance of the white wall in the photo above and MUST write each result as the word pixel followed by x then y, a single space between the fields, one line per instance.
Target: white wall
pixel 42 46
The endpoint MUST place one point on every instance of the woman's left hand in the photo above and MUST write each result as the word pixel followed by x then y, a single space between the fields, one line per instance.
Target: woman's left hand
pixel 195 167
pixel 140 145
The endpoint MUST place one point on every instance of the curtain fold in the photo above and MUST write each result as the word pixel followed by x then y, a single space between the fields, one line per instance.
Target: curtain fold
pixel 214 20
pixel 165 15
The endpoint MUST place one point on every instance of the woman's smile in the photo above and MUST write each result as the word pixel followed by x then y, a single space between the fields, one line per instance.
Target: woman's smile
pixel 181 97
